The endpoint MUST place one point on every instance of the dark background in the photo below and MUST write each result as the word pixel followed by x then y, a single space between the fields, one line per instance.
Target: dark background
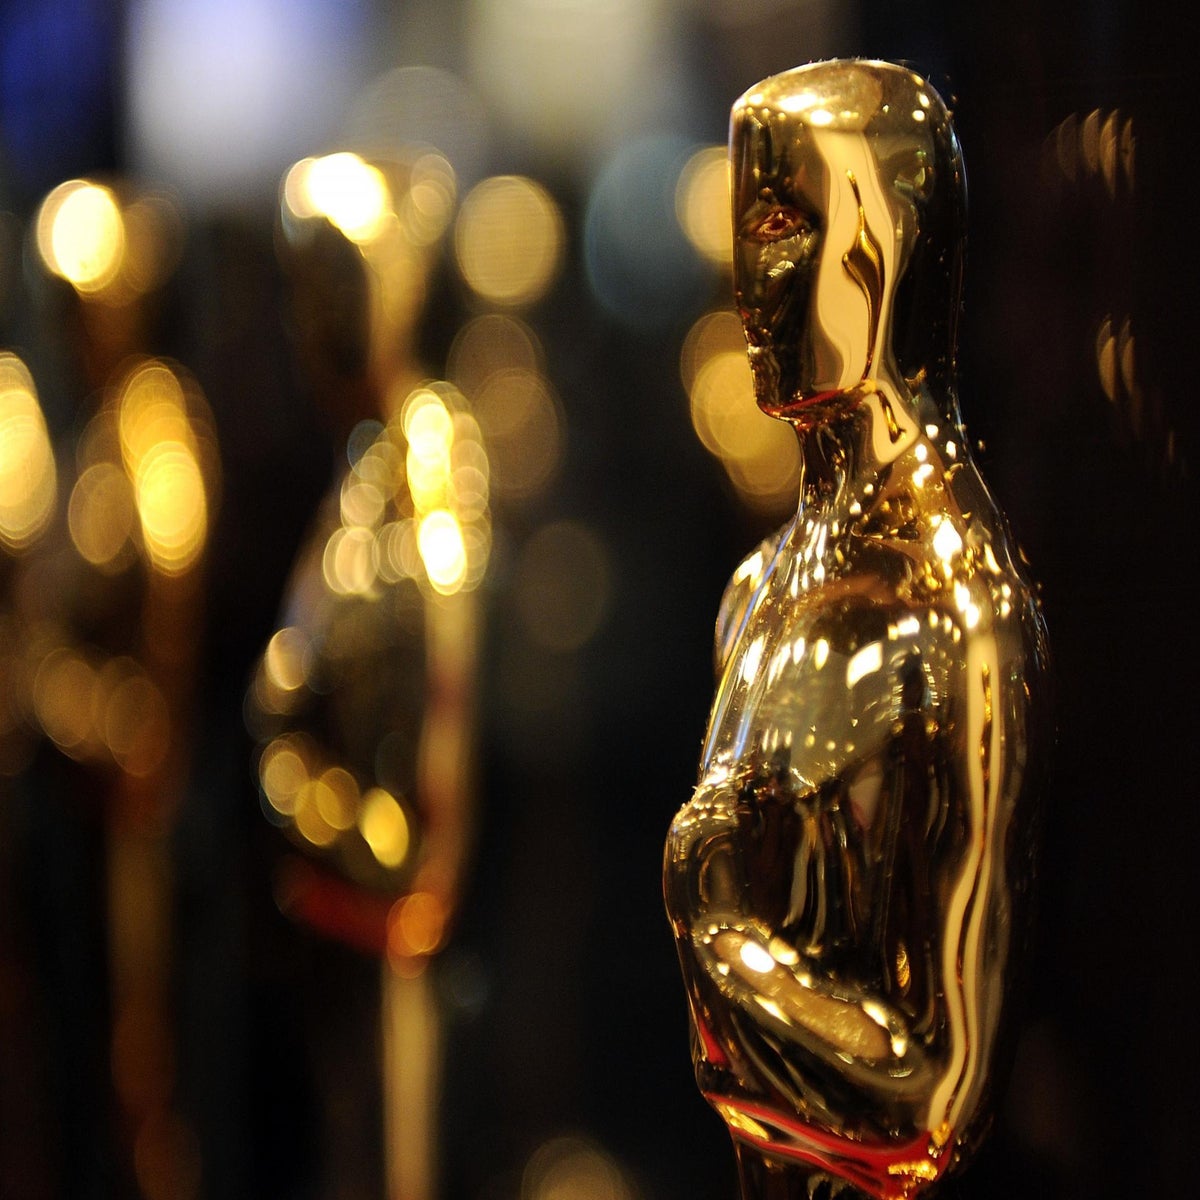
pixel 565 1009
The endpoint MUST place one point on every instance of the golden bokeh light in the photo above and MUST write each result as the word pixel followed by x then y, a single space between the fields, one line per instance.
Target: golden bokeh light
pixel 64 695
pixel 509 240
pixel 285 658
pixel 416 925
pixel 309 816
pixel 714 333
pixel 524 430
pixel 344 189
pixel 172 506
pixel 81 235
pixel 563 585
pixel 573 1168
pixel 28 478
pixel 702 204
pixel 427 207
pixel 102 516
pixel 384 827
pixel 336 795
pixel 351 564
pixel 760 454
pixel 137 726
pixel 283 770
pixel 440 541
pixel 490 343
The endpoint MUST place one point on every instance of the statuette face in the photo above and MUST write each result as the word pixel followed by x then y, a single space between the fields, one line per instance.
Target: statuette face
pixel 848 884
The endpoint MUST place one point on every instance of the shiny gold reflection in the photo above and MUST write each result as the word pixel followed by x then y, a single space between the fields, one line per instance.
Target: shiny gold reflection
pixel 702 204
pixel 28 477
pixel 509 240
pixel 848 883
pixel 80 234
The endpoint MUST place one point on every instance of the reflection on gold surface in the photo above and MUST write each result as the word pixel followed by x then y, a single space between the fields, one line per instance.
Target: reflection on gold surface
pixel 509 240
pixel 28 477
pixel 847 885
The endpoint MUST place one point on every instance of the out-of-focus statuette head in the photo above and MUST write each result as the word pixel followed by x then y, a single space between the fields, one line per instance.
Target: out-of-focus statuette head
pixel 849 883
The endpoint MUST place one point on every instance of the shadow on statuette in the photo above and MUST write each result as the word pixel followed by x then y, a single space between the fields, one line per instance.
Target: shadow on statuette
pixel 849 884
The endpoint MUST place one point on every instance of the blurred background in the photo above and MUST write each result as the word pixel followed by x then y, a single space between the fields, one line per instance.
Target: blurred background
pixel 193 356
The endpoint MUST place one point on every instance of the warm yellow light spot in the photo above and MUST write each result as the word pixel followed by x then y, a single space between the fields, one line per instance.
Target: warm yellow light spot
pixel 416 924
pixel 64 690
pixel 714 333
pixel 28 479
pixel 172 505
pixel 723 408
pixel 284 658
pixel 428 205
pixel 490 343
pixel 440 541
pixel 429 428
pixel 137 726
pixel 384 827
pixel 509 239
pixel 702 204
pixel 101 514
pixel 398 555
pixel 760 454
pixel 337 797
pixel 362 502
pixel 348 192
pixel 756 958
pixel 573 1168
pixel 152 409
pixel 282 772
pixel 947 542
pixel 350 564
pixel 864 662
pixel 80 235
pixel 309 814
pixel 522 423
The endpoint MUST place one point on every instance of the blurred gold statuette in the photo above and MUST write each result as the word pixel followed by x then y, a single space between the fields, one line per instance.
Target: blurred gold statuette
pixel 848 883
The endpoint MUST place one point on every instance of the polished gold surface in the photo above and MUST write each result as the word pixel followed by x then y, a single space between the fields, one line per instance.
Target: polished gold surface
pixel 848 885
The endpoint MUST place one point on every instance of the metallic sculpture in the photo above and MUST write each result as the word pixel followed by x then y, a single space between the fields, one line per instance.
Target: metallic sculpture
pixel 363 701
pixel 848 885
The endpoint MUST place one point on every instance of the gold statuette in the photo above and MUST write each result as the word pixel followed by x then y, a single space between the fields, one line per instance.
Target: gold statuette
pixel 848 885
